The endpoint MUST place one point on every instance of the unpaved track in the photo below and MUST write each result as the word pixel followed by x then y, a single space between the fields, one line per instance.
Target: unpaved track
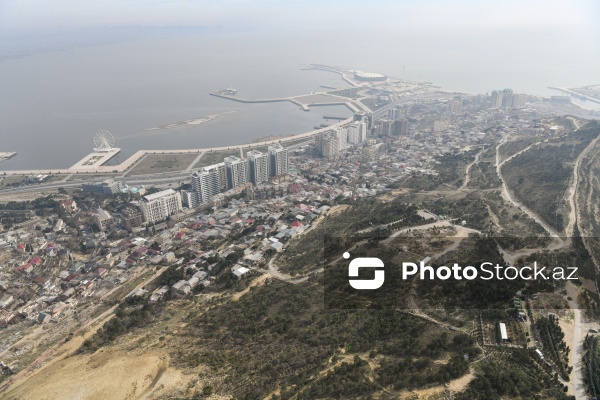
pixel 468 170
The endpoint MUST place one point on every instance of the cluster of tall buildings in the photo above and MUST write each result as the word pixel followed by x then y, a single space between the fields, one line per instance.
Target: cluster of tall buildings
pixel 507 99
pixel 257 168
pixel 394 127
pixel 395 124
pixel 330 143
pixel 207 183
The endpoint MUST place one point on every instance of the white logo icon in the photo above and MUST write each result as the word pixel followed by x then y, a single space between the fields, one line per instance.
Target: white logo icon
pixel 365 262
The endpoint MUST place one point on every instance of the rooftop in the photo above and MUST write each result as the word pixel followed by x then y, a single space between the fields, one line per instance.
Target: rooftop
pixel 158 195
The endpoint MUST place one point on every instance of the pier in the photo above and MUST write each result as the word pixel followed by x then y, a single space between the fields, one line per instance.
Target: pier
pixel 95 159
pixel 345 74
pixel 576 94
pixel 225 95
pixel 335 100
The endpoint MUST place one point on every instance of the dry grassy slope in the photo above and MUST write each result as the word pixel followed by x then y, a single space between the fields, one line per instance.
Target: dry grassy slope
pixel 134 367
pixel 103 375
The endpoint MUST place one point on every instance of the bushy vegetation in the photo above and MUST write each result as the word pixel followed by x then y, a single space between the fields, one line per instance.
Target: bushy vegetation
pixel 41 205
pixel 347 380
pixel 403 372
pixel 306 252
pixel 133 312
pixel 540 176
pixel 555 348
pixel 515 375
pixel 279 335
pixel 591 361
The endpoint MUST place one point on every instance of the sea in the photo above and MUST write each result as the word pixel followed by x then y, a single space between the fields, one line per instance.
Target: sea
pixel 52 102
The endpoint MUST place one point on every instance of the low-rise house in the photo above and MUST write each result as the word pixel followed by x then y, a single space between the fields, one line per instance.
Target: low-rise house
pixel 159 294
pixel 277 246
pixel 239 271
pixel 44 317
pixel 6 300
pixel 182 287
pixel 168 258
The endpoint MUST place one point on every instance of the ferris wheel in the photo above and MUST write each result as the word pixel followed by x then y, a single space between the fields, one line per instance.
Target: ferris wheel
pixel 104 141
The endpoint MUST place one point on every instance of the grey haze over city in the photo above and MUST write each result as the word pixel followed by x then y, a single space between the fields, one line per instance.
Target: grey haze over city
pixel 69 69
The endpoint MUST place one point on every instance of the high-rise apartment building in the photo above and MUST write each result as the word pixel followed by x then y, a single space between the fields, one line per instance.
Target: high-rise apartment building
pixel 497 98
pixel 207 183
pixel 455 105
pixel 362 131
pixel 519 100
pixel 258 167
pixel 503 99
pixel 353 133
pixel 400 127
pixel 327 144
pixel 277 160
pixel 342 136
pixel 237 171
pixel 158 206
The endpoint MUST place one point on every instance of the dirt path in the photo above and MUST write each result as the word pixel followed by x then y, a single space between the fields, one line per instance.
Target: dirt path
pixel 558 241
pixel 256 282
pixel 574 215
pixel 468 170
pixel 574 337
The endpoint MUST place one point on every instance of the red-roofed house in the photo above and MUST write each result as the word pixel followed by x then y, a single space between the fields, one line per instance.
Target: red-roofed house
pixel 23 267
pixel 70 205
pixel 35 261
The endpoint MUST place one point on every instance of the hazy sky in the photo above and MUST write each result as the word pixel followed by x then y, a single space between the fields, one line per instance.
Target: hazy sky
pixel 21 16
